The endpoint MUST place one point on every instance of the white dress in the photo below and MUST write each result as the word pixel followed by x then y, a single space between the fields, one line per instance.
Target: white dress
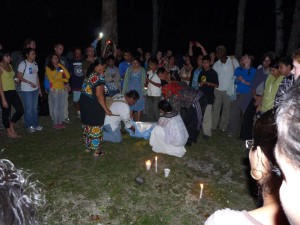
pixel 231 217
pixel 170 135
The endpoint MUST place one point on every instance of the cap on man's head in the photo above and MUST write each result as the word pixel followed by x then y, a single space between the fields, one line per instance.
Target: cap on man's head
pixel 221 48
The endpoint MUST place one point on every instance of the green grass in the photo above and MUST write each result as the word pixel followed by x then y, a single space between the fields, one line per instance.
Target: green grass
pixel 78 186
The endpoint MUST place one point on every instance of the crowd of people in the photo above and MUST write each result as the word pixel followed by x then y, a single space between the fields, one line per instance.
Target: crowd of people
pixel 185 95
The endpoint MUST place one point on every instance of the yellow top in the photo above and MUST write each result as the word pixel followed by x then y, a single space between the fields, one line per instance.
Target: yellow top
pixel 7 80
pixel 58 77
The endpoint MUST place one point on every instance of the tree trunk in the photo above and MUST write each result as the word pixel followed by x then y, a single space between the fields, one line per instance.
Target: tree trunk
pixel 279 28
pixel 293 43
pixel 154 27
pixel 109 21
pixel 240 28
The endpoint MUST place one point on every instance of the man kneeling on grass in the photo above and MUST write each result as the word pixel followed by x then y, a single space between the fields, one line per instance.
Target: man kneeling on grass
pixel 120 112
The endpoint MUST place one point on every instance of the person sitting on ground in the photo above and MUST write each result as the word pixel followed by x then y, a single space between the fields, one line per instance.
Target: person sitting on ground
pixel 287 152
pixel 21 198
pixel 170 135
pixel 120 109
pixel 265 171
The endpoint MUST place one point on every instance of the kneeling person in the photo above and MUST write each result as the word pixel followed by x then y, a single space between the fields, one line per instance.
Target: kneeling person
pixel 170 135
pixel 120 109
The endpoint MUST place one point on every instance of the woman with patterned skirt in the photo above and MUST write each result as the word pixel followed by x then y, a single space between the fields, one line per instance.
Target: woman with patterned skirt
pixel 93 107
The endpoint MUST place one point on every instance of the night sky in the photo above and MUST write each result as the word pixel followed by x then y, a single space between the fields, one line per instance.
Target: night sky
pixel 210 22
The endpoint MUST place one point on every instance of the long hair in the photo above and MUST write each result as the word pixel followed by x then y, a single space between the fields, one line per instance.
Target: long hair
pixel 50 65
pixel 94 64
pixel 20 197
pixel 265 135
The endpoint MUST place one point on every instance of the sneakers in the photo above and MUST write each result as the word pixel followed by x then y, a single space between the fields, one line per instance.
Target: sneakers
pixel 39 128
pixel 67 120
pixel 31 129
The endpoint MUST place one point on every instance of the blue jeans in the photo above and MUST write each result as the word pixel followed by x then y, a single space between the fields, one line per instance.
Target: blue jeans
pixel 30 100
pixel 111 136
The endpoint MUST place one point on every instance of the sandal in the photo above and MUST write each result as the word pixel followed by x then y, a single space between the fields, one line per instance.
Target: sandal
pixel 98 153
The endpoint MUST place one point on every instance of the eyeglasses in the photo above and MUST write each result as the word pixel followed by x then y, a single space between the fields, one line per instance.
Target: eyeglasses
pixel 249 144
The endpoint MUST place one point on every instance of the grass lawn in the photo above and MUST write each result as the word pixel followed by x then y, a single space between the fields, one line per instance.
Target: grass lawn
pixel 82 190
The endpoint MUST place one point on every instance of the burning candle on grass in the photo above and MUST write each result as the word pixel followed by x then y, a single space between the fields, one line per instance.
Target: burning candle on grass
pixel 148 164
pixel 201 191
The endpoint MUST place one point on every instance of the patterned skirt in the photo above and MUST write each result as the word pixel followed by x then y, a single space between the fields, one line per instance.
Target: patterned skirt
pixel 93 136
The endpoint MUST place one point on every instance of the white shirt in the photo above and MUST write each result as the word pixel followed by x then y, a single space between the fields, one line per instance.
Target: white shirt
pixel 121 112
pixel 30 74
pixel 225 72
pixel 152 89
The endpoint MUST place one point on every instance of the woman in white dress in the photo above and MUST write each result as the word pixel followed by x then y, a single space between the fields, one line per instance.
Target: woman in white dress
pixel 170 134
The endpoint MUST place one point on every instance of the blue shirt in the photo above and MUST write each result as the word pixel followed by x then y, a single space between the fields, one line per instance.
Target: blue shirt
pixel 195 83
pixel 248 75
pixel 122 68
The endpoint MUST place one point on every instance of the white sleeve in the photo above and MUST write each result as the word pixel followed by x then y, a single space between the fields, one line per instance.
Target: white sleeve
pixel 227 216
pixel 21 67
pixel 235 63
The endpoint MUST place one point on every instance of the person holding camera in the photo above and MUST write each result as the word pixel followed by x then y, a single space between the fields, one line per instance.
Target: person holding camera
pixel 109 49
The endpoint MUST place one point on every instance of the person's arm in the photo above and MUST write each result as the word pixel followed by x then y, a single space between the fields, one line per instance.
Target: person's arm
pixel 3 99
pixel 38 85
pixel 104 50
pixel 204 52
pixel 21 77
pixel 115 50
pixel 95 42
pixel 143 80
pixel 66 73
pixel 154 83
pixel 99 92
pixel 52 76
pixel 191 48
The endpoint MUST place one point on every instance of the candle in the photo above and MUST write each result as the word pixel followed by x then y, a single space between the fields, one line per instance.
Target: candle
pixel 148 165
pixel 201 190
pixel 155 164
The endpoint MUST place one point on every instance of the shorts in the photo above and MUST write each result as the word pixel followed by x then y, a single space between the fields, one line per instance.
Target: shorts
pixel 76 96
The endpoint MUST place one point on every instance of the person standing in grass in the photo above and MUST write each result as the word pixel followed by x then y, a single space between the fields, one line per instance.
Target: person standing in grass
pixel 208 81
pixel 30 89
pixel 58 75
pixel 271 87
pixel 8 95
pixel 76 78
pixel 93 107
